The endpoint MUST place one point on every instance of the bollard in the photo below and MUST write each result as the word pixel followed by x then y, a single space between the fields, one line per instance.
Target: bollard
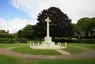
pixel 59 43
pixel 65 44
pixel 30 45
pixel 33 44
pixel 38 43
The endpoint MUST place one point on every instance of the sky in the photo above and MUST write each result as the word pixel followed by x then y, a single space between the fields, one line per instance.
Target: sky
pixel 16 14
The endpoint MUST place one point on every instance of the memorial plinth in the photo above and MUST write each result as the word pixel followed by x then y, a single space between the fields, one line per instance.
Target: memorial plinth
pixel 48 39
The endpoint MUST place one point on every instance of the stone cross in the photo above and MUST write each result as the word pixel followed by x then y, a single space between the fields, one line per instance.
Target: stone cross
pixel 47 20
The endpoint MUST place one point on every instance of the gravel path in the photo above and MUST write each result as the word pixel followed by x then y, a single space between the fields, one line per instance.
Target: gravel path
pixel 87 54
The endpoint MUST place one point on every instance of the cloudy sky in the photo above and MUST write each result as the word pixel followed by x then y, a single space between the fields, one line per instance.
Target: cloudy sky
pixel 16 14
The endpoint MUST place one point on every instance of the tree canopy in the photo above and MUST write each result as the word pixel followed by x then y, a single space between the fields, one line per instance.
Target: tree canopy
pixel 60 24
pixel 85 27
pixel 26 32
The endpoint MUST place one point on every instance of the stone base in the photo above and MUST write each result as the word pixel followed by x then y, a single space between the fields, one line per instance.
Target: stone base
pixel 46 45
pixel 47 39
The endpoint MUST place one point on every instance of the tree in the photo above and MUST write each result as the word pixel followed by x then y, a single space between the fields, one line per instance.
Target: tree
pixel 74 30
pixel 85 27
pixel 92 27
pixel 4 34
pixel 82 27
pixel 26 32
pixel 60 24
pixel 3 31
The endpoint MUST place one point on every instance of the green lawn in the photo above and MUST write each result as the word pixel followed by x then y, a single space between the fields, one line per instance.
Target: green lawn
pixel 73 61
pixel 90 46
pixel 13 45
pixel 28 50
pixel 11 60
pixel 73 50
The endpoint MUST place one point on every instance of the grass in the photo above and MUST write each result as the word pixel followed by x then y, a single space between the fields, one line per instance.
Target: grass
pixel 73 50
pixel 73 61
pixel 27 50
pixel 13 45
pixel 78 45
pixel 90 46
pixel 11 60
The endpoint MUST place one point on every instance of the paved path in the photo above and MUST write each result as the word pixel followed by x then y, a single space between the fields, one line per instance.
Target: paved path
pixel 62 52
pixel 87 54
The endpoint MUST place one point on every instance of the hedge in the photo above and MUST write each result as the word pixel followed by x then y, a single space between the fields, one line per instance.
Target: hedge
pixel 13 40
pixel 8 40
pixel 22 40
pixel 88 41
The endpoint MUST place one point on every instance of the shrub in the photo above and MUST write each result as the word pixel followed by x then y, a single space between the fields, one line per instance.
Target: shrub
pixel 8 40
pixel 4 35
pixel 22 40
pixel 87 41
